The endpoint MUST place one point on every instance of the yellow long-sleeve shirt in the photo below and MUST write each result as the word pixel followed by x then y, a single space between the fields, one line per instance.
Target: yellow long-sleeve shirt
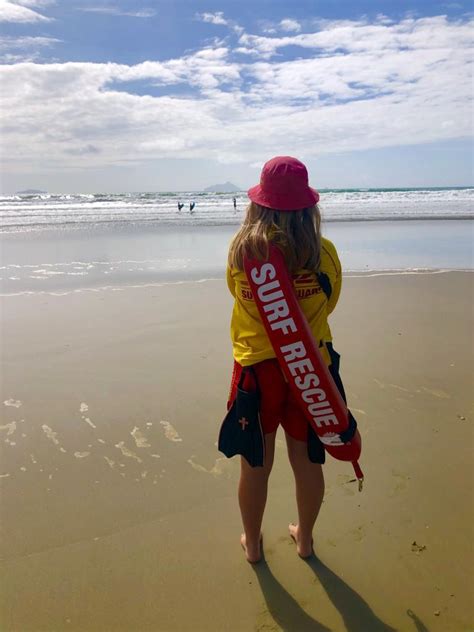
pixel 249 339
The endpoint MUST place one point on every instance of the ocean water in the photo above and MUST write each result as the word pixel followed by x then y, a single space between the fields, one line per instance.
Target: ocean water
pixel 33 212
pixel 60 244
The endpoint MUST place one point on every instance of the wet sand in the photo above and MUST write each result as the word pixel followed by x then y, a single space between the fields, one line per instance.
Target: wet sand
pixel 118 513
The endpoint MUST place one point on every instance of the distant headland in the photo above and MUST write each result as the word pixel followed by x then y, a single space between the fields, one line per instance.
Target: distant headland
pixel 227 187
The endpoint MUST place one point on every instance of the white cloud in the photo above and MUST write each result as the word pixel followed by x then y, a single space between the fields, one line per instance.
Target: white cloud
pixel 219 20
pixel 11 11
pixel 35 3
pixel 9 43
pixel 213 18
pixel 142 13
pixel 351 37
pixel 359 86
pixel 22 49
pixel 290 25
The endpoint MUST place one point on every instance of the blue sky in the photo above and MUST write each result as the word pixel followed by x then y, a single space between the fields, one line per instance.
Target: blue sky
pixel 108 95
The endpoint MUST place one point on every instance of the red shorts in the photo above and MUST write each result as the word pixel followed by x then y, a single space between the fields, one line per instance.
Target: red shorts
pixel 277 403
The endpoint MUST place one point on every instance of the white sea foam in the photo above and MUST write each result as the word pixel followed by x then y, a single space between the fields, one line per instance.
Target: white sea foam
pixel 110 288
pixel 126 452
pixel 141 286
pixel 140 440
pixel 52 436
pixel 16 403
pixel 10 428
pixel 170 432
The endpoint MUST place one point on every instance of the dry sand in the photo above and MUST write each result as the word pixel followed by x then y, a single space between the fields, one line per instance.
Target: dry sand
pixel 119 514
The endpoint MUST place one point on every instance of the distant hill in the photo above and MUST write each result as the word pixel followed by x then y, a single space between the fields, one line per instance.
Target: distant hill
pixel 31 192
pixel 227 187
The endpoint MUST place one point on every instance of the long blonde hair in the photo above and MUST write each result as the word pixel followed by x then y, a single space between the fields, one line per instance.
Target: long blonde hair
pixel 296 233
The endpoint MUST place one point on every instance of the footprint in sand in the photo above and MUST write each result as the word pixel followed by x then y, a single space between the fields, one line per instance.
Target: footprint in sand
pixel 417 548
pixel 345 483
pixel 400 483
pixel 358 533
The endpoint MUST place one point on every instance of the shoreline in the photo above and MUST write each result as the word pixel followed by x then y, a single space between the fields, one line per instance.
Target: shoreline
pixel 355 274
pixel 60 261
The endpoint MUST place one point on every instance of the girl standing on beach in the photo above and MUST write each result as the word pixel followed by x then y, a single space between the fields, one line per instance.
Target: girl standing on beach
pixel 283 210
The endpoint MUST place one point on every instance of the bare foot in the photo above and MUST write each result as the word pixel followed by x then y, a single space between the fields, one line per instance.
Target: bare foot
pixel 304 548
pixel 252 553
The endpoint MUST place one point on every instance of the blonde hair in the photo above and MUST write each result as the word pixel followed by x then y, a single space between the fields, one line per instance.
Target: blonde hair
pixel 296 233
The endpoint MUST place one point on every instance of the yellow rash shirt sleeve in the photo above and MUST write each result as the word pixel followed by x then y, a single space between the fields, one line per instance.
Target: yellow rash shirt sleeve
pixel 331 267
pixel 230 281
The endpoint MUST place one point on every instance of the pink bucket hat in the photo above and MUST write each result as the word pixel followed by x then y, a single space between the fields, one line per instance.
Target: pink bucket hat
pixel 284 186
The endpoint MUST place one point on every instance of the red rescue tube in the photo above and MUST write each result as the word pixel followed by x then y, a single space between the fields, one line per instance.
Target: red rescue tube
pixel 299 356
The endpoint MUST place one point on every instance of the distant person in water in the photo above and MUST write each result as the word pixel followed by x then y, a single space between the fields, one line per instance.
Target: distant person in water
pixel 180 205
pixel 234 200
pixel 191 207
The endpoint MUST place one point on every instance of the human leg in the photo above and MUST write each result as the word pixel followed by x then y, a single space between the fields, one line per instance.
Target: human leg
pixel 253 486
pixel 309 482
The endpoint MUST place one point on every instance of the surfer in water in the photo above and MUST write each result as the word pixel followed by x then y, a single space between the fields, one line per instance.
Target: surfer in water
pixel 191 207
pixel 234 201
pixel 180 206
pixel 283 209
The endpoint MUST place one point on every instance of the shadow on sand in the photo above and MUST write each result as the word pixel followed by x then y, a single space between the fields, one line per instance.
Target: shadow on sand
pixel 290 616
pixel 357 615
pixel 286 612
